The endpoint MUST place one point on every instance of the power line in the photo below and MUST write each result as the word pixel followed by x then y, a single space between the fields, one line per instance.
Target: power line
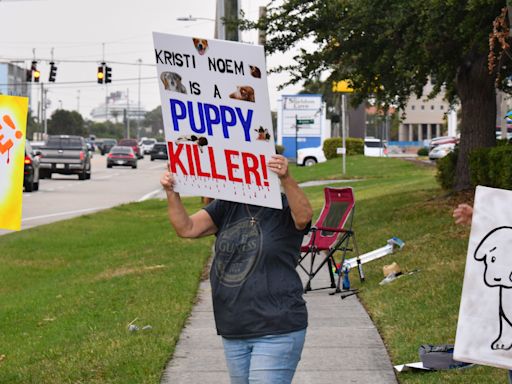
pixel 78 82
pixel 19 59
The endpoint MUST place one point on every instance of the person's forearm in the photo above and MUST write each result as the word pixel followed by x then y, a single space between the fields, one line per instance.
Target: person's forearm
pixel 178 216
pixel 298 202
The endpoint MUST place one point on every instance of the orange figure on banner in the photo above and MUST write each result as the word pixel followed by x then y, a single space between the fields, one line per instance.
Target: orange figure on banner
pixel 13 119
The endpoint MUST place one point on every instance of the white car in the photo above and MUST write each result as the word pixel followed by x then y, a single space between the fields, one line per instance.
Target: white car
pixel 375 147
pixel 441 151
pixel 310 156
pixel 146 145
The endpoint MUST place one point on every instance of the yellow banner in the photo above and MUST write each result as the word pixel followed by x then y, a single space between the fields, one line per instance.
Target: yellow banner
pixel 13 122
pixel 342 86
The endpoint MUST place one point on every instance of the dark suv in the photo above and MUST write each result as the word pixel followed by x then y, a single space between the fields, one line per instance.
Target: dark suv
pixel 106 145
pixel 67 155
pixel 31 169
pixel 159 151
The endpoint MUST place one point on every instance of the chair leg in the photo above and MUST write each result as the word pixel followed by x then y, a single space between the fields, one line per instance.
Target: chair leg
pixel 330 265
pixel 359 265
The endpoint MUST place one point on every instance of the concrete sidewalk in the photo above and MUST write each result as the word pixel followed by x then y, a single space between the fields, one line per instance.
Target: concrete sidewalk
pixel 342 344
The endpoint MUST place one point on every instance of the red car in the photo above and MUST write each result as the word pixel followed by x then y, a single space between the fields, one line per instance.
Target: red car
pixel 133 144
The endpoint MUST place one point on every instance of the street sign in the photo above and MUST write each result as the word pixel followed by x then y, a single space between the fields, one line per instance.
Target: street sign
pixel 305 121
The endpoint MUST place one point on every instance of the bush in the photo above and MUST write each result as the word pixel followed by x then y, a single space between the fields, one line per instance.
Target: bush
pixel 423 151
pixel 354 146
pixel 491 167
pixel 279 149
pixel 446 170
pixel 479 167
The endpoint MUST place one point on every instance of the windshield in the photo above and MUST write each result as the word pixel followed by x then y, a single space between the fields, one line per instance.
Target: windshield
pixel 64 143
pixel 121 150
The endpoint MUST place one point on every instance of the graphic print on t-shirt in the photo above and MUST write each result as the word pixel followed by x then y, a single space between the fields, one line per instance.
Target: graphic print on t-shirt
pixel 237 251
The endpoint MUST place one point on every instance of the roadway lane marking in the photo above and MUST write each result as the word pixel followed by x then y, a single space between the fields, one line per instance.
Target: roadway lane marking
pixel 150 195
pixel 63 213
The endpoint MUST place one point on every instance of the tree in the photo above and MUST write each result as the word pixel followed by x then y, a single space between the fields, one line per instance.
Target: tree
pixel 390 50
pixel 154 120
pixel 63 122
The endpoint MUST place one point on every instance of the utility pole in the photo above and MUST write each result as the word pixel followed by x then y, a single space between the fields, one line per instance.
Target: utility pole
pixel 128 113
pixel 106 86
pixel 44 113
pixel 138 104
pixel 225 20
pixel 78 100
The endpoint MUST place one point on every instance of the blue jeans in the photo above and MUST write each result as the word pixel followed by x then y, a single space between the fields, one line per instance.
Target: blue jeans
pixel 262 360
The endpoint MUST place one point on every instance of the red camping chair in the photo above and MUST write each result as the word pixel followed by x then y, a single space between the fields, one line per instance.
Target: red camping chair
pixel 332 232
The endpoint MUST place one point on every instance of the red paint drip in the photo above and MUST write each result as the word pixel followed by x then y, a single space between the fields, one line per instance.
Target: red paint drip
pixel 264 170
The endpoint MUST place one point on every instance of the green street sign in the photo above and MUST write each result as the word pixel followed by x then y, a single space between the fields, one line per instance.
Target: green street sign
pixel 305 121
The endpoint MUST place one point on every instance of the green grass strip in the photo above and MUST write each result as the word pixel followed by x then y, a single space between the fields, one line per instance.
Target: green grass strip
pixel 70 289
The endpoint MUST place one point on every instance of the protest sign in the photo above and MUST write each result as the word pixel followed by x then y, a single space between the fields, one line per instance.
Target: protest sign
pixel 484 328
pixel 13 120
pixel 217 119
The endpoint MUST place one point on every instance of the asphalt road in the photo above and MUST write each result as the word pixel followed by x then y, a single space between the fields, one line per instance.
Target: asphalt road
pixel 63 196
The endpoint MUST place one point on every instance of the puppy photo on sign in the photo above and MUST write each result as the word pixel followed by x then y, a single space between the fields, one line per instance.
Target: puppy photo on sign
pixel 244 92
pixel 201 45
pixel 172 82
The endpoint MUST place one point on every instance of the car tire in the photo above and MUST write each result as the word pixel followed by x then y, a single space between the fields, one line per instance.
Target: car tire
pixel 152 159
pixel 82 175
pixel 29 187
pixel 36 186
pixel 134 166
pixel 45 174
pixel 109 166
pixel 310 161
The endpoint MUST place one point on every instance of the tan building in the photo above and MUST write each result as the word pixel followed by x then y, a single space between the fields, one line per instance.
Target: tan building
pixel 424 118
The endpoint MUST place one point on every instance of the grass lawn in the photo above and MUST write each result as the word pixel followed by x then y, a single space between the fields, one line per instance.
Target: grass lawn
pixel 70 289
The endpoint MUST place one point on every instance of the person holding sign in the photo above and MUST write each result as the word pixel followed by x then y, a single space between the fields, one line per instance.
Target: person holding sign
pixel 463 215
pixel 257 293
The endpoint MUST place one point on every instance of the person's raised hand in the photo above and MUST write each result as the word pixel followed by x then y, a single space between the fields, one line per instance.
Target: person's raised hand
pixel 279 165
pixel 463 214
pixel 167 181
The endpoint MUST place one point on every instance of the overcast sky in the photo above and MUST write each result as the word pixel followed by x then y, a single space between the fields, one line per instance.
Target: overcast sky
pixel 76 30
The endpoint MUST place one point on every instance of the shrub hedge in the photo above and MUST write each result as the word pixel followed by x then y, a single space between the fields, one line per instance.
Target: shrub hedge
pixel 423 151
pixel 446 170
pixel 354 146
pixel 491 167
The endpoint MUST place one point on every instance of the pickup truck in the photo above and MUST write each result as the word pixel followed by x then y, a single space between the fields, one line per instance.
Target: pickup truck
pixel 66 155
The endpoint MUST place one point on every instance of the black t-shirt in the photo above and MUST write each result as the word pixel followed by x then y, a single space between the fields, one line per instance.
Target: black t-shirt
pixel 255 287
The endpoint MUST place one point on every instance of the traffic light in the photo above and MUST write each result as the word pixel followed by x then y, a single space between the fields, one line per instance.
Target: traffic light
pixel 100 75
pixel 108 74
pixel 53 72
pixel 35 72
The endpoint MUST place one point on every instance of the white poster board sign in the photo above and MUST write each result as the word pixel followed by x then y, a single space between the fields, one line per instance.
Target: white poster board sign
pixel 484 328
pixel 217 119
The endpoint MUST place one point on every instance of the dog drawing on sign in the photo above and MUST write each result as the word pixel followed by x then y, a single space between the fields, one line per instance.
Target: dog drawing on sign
pixel 172 82
pixel 201 45
pixel 255 71
pixel 244 92
pixel 494 251
pixel 263 134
